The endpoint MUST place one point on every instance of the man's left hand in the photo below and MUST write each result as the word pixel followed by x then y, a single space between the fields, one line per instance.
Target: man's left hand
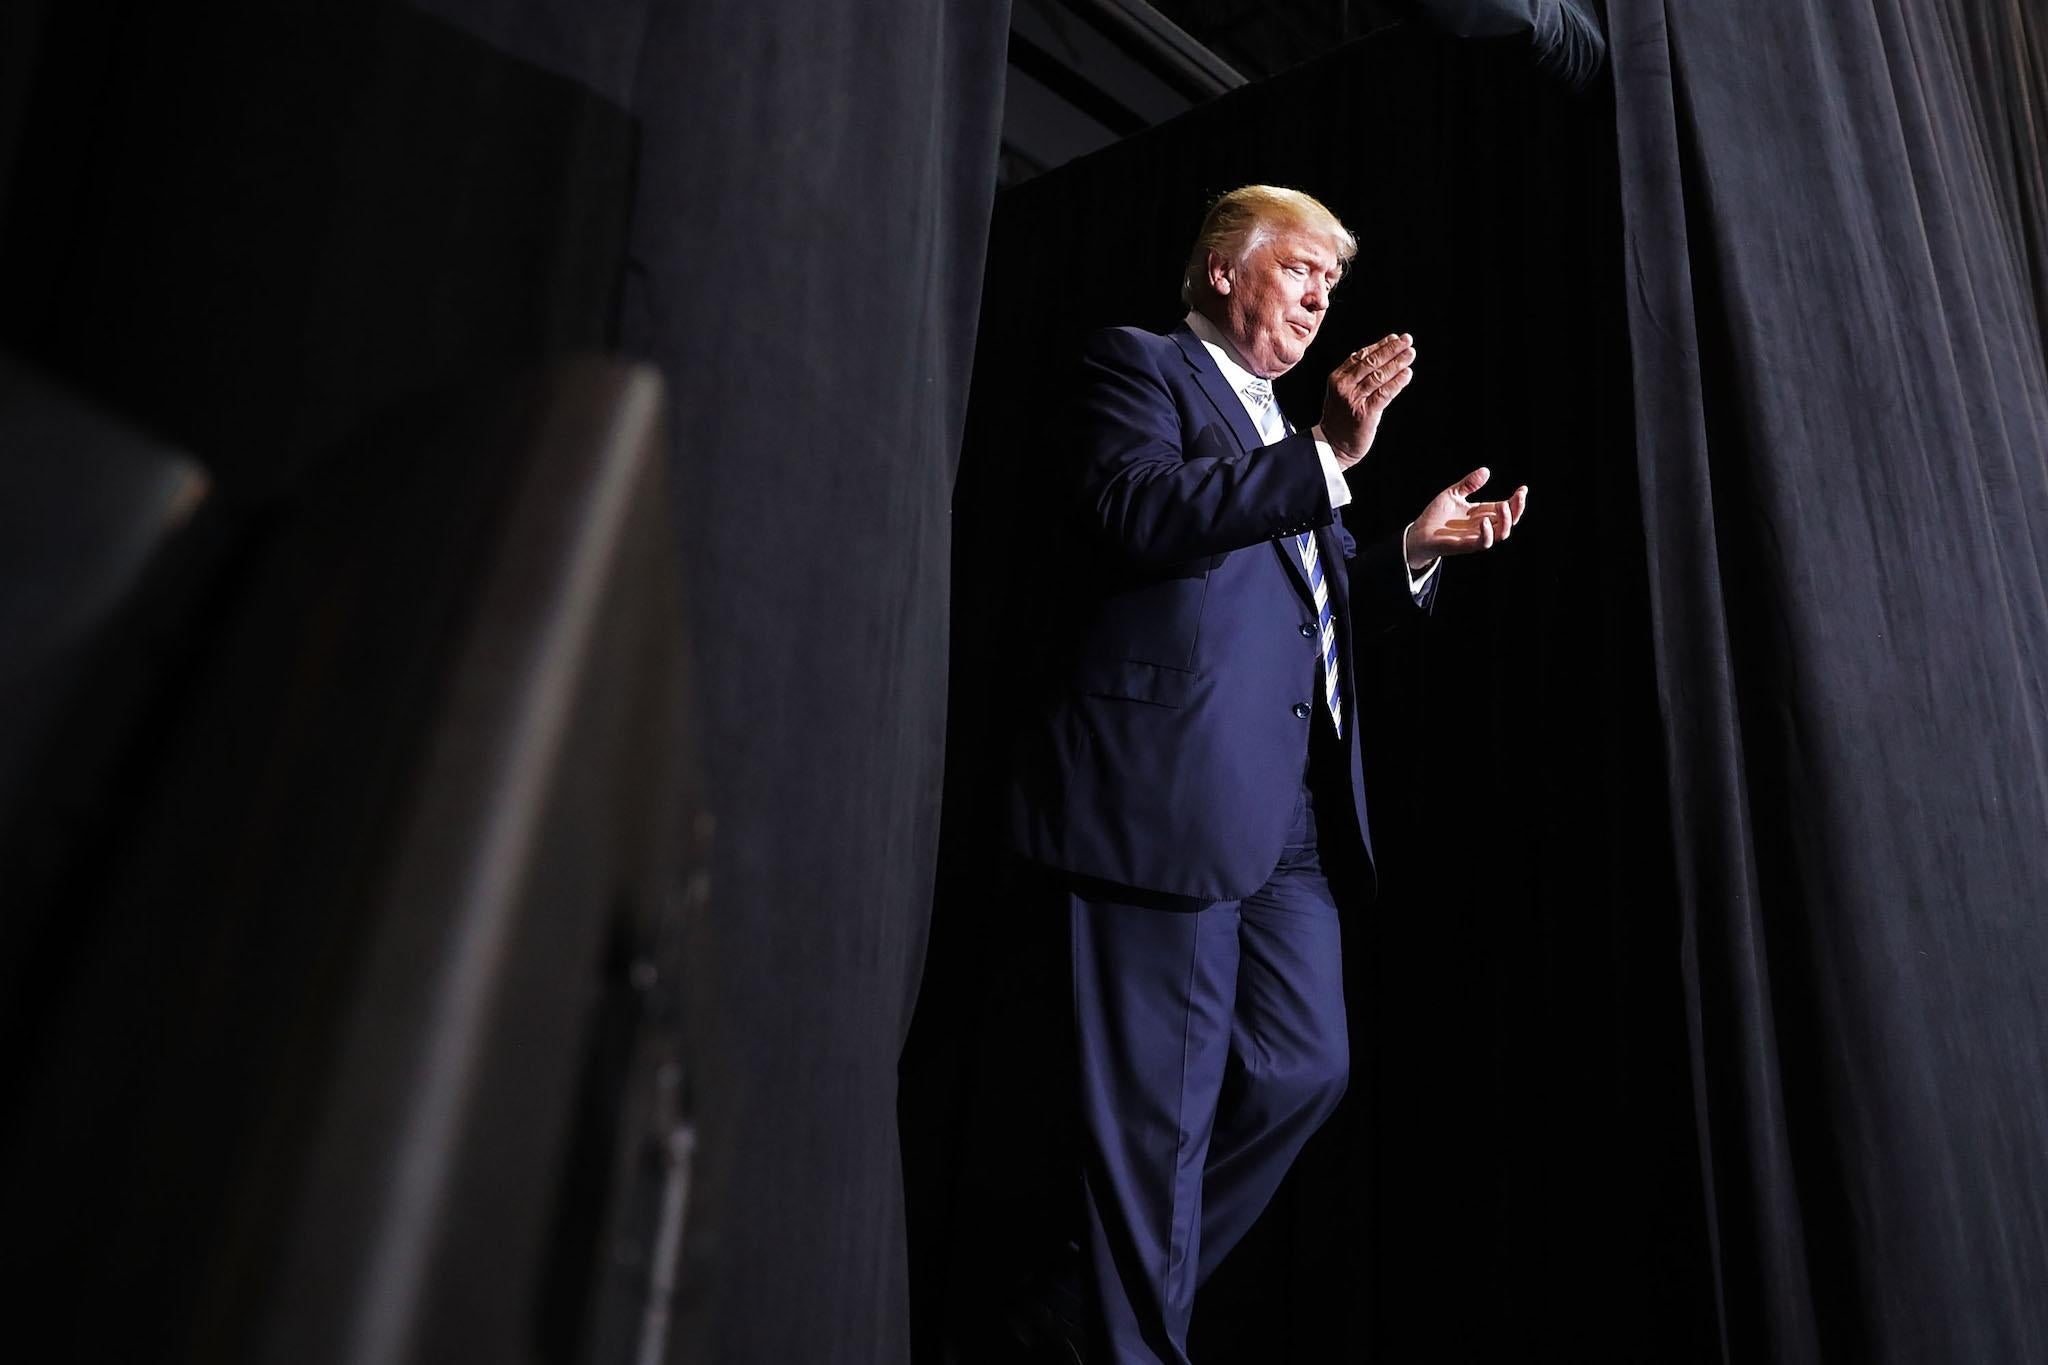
pixel 1452 524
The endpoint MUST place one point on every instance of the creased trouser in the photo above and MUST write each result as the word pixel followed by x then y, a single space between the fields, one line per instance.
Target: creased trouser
pixel 1212 1045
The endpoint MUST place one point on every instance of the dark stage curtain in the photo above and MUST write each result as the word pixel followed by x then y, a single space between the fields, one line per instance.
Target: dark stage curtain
pixel 1511 1176
pixel 1834 263
pixel 251 230
pixel 807 261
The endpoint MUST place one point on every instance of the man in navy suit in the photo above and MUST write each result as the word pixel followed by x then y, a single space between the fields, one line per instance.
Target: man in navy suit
pixel 1198 757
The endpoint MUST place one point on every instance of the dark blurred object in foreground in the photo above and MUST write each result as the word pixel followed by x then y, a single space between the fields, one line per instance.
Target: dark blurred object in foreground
pixel 344 1024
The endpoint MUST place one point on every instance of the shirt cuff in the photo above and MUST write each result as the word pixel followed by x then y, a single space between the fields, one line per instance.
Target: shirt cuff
pixel 1333 473
pixel 1417 581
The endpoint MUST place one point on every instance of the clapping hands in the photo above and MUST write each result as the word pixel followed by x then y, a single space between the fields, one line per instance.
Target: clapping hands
pixel 1452 524
pixel 1359 391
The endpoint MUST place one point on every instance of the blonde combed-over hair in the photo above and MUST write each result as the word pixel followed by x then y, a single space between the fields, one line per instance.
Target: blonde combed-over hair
pixel 1241 221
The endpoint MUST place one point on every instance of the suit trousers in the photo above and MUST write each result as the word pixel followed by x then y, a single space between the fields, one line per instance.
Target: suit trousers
pixel 1212 1045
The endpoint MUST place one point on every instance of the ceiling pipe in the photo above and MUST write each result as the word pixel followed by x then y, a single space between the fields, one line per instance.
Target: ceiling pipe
pixel 1169 48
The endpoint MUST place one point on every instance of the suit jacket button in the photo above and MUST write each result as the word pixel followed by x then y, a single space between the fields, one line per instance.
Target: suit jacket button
pixel 1301 711
pixel 1308 632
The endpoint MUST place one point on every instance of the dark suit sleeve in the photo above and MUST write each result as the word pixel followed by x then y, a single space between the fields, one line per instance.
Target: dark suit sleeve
pixel 1379 582
pixel 1163 490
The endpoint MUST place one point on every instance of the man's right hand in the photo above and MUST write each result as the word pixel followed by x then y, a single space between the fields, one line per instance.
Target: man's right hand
pixel 1359 391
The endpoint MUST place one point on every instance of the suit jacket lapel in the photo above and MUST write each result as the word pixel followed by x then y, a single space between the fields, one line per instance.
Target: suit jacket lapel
pixel 1231 409
pixel 1225 400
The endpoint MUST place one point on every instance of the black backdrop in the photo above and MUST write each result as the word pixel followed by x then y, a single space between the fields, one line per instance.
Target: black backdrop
pixel 1510 1177
pixel 1699 1017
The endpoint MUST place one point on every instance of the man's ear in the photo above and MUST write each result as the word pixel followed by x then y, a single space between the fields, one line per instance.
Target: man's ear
pixel 1220 272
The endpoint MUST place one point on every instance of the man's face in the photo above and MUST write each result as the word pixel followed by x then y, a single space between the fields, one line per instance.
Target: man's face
pixel 1272 304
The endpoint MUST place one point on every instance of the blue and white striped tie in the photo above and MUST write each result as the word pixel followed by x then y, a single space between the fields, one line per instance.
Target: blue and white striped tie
pixel 1273 427
pixel 1326 625
pixel 1259 393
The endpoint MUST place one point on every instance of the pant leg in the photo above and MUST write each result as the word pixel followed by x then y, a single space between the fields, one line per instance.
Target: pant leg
pixel 1153 994
pixel 1290 1053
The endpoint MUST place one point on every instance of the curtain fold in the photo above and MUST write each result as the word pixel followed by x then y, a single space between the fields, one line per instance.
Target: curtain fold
pixel 806 268
pixel 1833 259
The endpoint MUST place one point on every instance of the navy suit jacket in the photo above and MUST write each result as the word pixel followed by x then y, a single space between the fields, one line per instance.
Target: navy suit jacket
pixel 1170 748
